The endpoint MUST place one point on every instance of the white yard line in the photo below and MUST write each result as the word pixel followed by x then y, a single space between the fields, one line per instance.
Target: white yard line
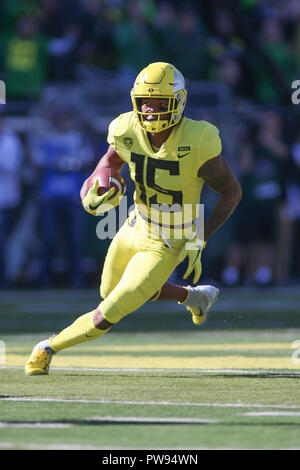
pixel 217 371
pixel 153 403
pixel 25 424
pixel 14 446
pixel 271 413
pixel 32 446
pixel 153 420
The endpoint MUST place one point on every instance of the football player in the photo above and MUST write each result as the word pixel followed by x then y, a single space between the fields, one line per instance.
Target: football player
pixel 169 157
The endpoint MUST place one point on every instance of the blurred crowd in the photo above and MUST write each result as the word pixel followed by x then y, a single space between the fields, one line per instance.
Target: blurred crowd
pixel 251 46
pixel 48 39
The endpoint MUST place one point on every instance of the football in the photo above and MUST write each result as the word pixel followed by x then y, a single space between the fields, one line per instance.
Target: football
pixel 108 178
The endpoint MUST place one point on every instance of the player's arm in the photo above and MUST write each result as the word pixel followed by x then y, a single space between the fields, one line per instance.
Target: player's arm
pixel 110 159
pixel 218 176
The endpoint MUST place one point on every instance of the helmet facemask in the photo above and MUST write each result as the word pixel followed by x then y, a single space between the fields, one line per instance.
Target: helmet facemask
pixel 144 88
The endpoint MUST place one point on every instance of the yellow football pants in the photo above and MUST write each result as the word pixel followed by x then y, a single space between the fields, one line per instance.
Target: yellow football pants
pixel 137 265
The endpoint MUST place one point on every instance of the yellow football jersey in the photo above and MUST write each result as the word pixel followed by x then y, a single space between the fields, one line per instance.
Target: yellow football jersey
pixel 167 186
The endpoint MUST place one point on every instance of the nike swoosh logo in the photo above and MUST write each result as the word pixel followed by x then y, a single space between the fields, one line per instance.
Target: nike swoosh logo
pixel 180 156
pixel 95 207
pixel 89 336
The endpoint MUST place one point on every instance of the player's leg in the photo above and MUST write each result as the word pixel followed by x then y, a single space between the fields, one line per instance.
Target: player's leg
pixel 90 325
pixel 144 275
pixel 198 299
pixel 171 291
pixel 146 278
pixel 118 255
pixel 81 330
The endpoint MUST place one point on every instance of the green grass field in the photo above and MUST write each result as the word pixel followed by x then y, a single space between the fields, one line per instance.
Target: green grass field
pixel 156 381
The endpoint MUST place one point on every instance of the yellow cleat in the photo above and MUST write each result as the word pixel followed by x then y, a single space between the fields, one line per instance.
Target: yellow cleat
pixel 199 301
pixel 38 363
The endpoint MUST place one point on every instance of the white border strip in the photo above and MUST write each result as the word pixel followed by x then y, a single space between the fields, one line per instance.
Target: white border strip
pixel 38 424
pixel 153 403
pixel 146 419
pixel 12 445
pixel 217 371
pixel 271 413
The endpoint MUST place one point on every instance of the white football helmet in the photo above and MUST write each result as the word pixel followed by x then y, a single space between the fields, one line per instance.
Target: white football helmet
pixel 160 80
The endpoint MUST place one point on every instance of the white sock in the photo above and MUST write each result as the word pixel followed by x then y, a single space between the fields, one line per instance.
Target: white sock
pixel 45 344
pixel 192 297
